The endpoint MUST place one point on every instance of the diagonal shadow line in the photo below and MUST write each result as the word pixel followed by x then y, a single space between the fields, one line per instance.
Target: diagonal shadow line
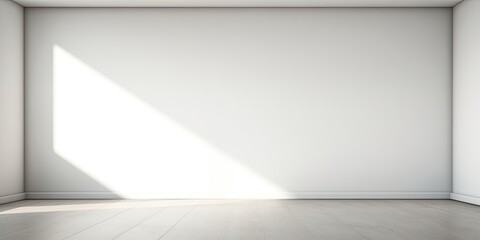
pixel 157 110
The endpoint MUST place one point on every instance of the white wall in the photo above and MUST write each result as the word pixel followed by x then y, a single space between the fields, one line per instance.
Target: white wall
pixel 11 101
pixel 466 115
pixel 239 102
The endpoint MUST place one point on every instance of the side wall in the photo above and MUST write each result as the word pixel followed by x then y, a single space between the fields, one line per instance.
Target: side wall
pixel 466 99
pixel 290 102
pixel 11 101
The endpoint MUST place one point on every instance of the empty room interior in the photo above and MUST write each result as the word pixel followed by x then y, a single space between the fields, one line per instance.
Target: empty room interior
pixel 240 119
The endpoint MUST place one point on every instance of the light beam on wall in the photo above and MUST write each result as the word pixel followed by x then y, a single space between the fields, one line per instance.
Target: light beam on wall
pixel 133 148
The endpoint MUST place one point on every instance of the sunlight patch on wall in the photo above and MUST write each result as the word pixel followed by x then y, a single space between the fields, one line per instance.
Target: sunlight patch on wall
pixel 133 148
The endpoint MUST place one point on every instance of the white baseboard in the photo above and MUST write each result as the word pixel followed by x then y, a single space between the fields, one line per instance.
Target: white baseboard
pixel 72 195
pixel 12 198
pixel 290 195
pixel 465 198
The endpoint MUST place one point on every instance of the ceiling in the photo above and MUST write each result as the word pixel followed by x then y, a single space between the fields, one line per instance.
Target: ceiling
pixel 238 3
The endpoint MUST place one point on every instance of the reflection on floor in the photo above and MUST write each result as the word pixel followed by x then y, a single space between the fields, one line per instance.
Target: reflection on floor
pixel 239 219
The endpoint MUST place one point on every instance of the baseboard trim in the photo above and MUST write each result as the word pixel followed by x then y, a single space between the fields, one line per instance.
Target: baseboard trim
pixel 73 195
pixel 465 198
pixel 292 195
pixel 12 198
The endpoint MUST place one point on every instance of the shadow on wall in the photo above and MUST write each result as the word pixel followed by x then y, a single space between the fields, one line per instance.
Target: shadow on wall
pixel 134 149
pixel 180 104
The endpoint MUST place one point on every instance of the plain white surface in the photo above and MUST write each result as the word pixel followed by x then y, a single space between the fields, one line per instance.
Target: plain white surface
pixel 466 116
pixel 238 102
pixel 11 98
pixel 238 3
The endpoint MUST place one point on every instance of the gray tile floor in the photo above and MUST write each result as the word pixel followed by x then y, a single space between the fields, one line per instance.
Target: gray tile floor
pixel 239 219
